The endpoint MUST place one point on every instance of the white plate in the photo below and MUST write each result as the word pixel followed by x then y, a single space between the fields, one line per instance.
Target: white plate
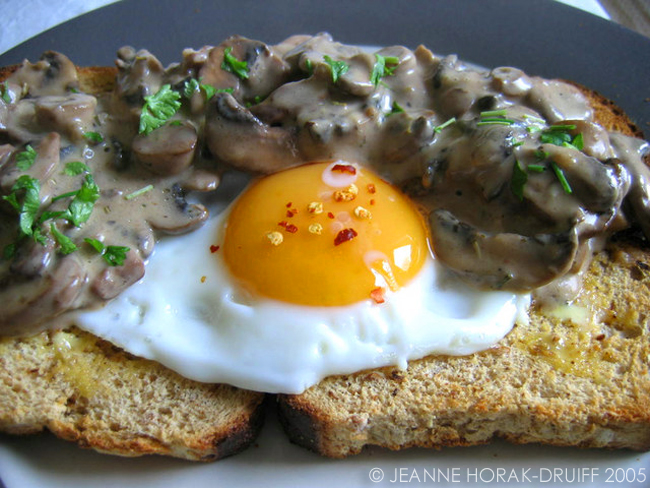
pixel 274 462
pixel 44 461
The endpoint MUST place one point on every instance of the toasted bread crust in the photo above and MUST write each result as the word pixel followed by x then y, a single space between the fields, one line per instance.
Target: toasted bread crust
pixel 550 381
pixel 520 390
pixel 85 390
pixel 512 391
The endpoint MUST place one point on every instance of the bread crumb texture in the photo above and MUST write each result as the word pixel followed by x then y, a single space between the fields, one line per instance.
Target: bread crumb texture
pixel 574 377
pixel 86 390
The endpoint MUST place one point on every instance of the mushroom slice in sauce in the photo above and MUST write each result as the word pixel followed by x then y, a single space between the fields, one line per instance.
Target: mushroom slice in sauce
pixel 168 150
pixel 236 136
pixel 501 260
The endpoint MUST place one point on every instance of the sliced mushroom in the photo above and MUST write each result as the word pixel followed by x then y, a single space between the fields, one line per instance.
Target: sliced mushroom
pixel 47 159
pixel 27 304
pixel 557 101
pixel 598 187
pixel 511 81
pixel 53 74
pixel 356 80
pixel 5 154
pixel 71 115
pixel 33 259
pixel 265 69
pixel 501 260
pixel 236 136
pixel 168 150
pixel 115 279
pixel 140 74
pixel 408 133
pixel 178 216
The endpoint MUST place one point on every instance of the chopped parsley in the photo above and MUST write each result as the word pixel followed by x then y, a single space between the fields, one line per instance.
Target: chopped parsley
pixel 193 85
pixel 560 135
pixel 83 202
pixel 339 68
pixel 158 109
pixel 4 92
pixel 491 117
pixel 27 204
pixel 66 246
pixel 518 180
pixel 382 69
pixel 94 137
pixel 536 168
pixel 113 255
pixel 75 168
pixel 25 199
pixel 139 192
pixel 26 158
pixel 561 177
pixel 395 109
pixel 310 67
pixel 444 125
pixel 233 65
pixel 520 176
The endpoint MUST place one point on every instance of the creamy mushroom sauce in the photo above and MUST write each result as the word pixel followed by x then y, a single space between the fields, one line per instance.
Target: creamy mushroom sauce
pixel 434 125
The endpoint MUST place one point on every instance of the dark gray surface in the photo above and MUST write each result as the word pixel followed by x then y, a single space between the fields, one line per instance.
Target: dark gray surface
pixel 541 36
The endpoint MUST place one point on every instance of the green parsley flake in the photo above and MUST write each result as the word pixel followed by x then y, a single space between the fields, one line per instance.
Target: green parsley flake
pixel 339 68
pixel 444 125
pixel 95 244
pixel 31 202
pixel 559 135
pixel 94 137
pixel 4 92
pixel 158 109
pixel 518 180
pixel 233 65
pixel 395 109
pixel 310 67
pixel 193 85
pixel 75 168
pixel 66 246
pixel 113 255
pixel 381 68
pixel 139 192
pixel 562 178
pixel 536 168
pixel 26 158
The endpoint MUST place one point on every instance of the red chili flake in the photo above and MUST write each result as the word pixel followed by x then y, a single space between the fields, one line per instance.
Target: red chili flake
pixel 378 295
pixel 214 249
pixel 344 236
pixel 289 205
pixel 292 229
pixel 330 215
pixel 372 201
pixel 344 168
pixel 372 188
pixel 291 212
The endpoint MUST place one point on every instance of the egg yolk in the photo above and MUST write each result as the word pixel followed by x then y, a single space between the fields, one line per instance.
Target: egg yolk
pixel 324 234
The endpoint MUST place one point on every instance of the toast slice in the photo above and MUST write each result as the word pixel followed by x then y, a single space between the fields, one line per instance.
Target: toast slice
pixel 561 379
pixel 85 390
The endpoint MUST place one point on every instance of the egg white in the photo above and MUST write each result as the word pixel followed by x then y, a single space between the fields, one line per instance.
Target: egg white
pixel 187 314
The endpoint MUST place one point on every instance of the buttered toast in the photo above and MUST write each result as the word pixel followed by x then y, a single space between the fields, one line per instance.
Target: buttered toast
pixel 84 389
pixel 567 374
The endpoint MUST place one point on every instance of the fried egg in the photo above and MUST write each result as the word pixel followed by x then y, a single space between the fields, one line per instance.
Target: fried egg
pixel 316 270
